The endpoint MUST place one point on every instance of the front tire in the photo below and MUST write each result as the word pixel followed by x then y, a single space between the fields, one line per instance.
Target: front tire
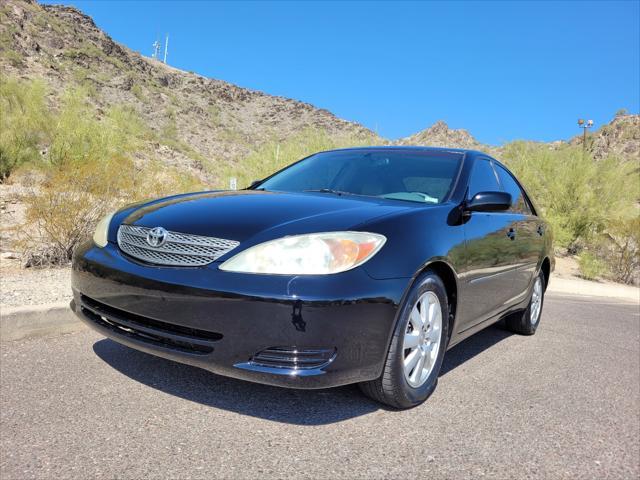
pixel 419 341
pixel 526 323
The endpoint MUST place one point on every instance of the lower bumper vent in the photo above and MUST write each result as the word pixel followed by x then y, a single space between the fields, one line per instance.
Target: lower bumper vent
pixel 294 358
pixel 148 330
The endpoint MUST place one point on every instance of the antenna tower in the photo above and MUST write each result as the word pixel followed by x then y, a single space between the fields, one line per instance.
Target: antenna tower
pixel 166 48
pixel 156 50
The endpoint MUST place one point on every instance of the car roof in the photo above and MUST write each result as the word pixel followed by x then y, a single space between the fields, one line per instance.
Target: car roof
pixel 412 148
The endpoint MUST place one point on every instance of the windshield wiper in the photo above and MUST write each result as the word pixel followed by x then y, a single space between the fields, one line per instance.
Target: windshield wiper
pixel 329 190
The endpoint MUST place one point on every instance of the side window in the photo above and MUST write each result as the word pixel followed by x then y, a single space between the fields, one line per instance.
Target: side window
pixel 483 178
pixel 519 203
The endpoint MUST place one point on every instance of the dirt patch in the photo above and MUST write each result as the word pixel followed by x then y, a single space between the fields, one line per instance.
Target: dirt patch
pixel 567 267
pixel 12 214
pixel 20 287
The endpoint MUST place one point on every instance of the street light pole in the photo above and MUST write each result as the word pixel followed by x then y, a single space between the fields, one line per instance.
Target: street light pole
pixel 584 126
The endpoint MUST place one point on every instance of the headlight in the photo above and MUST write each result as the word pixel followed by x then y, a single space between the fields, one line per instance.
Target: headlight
pixel 311 254
pixel 100 237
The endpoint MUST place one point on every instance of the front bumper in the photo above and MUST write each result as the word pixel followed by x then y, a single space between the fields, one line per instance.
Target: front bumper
pixel 220 320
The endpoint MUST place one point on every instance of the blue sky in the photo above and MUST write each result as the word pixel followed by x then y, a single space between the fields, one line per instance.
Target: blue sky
pixel 502 70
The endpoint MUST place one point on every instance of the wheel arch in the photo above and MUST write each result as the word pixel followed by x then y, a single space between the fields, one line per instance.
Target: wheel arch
pixel 449 277
pixel 441 267
pixel 546 270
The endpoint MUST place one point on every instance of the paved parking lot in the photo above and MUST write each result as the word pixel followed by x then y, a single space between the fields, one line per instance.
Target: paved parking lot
pixel 564 403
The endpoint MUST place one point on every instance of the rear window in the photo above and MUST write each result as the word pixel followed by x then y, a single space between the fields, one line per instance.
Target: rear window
pixel 519 202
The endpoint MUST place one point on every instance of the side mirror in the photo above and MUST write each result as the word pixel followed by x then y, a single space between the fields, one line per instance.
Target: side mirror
pixel 489 202
pixel 254 183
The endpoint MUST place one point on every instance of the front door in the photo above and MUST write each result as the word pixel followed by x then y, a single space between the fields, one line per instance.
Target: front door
pixel 490 254
pixel 529 241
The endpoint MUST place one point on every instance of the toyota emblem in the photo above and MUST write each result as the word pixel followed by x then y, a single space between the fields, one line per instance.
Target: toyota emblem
pixel 157 237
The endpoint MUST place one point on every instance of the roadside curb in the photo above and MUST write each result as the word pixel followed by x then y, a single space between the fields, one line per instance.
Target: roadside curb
pixel 17 323
pixel 584 288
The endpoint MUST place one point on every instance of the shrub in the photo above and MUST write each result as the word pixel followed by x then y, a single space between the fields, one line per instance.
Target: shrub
pixel 138 93
pixel 87 171
pixel 63 211
pixel 170 128
pixel 24 123
pixel 579 196
pixel 215 115
pixel 79 137
pixel 591 267
pixel 623 252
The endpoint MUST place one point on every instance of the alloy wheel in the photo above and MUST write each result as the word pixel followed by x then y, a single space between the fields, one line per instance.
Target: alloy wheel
pixel 536 302
pixel 422 339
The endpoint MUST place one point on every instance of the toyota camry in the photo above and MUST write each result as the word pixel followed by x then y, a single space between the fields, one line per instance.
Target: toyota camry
pixel 360 265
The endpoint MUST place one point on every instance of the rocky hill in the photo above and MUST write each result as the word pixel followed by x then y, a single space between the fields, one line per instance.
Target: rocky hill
pixel 620 137
pixel 199 121
pixel 440 135
pixel 201 124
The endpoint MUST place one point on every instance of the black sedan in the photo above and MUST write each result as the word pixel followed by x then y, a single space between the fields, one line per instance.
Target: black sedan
pixel 361 265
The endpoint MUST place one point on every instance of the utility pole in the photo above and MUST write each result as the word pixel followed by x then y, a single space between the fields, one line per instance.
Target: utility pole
pixel 156 50
pixel 584 126
pixel 166 48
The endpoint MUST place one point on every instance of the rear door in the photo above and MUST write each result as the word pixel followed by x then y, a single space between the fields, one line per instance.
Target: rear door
pixel 528 241
pixel 490 253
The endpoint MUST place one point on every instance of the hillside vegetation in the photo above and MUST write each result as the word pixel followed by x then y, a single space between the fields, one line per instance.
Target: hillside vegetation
pixel 591 204
pixel 198 124
pixel 88 125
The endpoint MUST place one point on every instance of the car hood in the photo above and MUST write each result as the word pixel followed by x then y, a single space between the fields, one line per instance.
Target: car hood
pixel 261 215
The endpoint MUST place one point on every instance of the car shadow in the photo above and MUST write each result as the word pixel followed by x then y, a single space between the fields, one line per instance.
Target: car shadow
pixel 299 407
pixel 473 346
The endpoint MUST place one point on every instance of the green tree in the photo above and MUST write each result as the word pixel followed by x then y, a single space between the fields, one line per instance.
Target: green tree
pixel 579 196
pixel 25 125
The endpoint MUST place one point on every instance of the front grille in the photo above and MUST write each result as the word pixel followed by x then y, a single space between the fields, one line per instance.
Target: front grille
pixel 179 250
pixel 294 358
pixel 148 330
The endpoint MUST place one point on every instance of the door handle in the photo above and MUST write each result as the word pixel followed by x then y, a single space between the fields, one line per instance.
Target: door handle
pixel 511 233
pixel 540 230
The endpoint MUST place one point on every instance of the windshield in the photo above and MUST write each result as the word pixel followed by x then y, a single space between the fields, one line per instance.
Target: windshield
pixel 417 176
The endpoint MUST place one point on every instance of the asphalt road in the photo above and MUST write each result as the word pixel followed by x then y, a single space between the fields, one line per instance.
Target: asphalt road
pixel 564 403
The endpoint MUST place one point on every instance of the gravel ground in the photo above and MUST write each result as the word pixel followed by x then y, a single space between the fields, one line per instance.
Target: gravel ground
pixel 19 286
pixel 564 403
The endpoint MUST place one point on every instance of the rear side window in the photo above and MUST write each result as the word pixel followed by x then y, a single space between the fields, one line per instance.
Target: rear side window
pixel 483 178
pixel 519 203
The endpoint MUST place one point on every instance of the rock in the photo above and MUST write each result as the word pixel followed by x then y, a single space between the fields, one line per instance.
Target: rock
pixel 9 256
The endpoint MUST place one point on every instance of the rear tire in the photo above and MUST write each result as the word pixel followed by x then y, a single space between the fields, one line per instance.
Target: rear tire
pixel 526 323
pixel 419 338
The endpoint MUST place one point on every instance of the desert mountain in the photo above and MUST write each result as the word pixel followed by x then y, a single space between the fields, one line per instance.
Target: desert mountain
pixel 197 120
pixel 620 137
pixel 440 135
pixel 200 124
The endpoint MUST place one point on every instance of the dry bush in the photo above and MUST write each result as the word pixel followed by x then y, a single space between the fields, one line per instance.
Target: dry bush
pixel 63 212
pixel 591 266
pixel 86 171
pixel 622 251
